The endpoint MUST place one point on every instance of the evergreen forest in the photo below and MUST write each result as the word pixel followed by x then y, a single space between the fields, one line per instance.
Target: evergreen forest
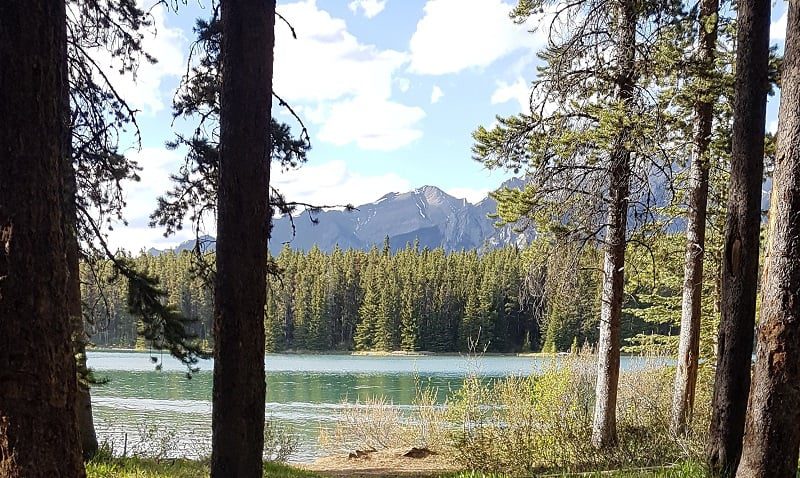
pixel 503 301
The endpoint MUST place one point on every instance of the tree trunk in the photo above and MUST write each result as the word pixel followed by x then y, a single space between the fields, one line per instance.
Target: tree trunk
pixel 604 428
pixel 689 345
pixel 38 432
pixel 772 435
pixel 242 233
pixel 740 259
pixel 83 403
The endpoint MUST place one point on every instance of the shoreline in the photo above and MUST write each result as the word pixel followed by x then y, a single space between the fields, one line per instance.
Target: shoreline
pixel 362 353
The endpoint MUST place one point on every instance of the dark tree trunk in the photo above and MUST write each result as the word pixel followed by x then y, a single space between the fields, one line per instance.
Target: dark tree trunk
pixel 38 432
pixel 83 403
pixel 242 233
pixel 772 435
pixel 740 260
pixel 689 345
pixel 604 428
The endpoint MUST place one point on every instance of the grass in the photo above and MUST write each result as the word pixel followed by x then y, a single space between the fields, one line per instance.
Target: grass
pixel 684 470
pixel 147 468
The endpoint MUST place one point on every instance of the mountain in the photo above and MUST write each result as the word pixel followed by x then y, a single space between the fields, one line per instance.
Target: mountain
pixel 427 214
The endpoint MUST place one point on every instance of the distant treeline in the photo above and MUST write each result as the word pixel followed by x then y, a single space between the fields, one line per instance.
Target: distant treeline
pixel 349 300
pixel 412 299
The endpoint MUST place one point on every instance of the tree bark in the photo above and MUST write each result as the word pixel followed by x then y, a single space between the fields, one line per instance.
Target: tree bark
pixel 242 234
pixel 604 428
pixel 38 432
pixel 740 259
pixel 689 344
pixel 772 432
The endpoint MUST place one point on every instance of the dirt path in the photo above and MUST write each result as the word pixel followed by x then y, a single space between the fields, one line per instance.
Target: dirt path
pixel 384 463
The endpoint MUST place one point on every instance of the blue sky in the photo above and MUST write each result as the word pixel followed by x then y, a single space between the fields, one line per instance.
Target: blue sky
pixel 390 90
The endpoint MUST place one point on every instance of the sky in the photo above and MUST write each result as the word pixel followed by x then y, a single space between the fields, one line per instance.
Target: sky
pixel 390 90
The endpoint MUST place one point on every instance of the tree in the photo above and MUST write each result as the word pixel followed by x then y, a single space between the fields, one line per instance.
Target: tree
pixel 242 233
pixel 689 344
pixel 38 429
pixel 195 186
pixel 590 114
pixel 94 172
pixel 364 337
pixel 742 228
pixel 772 436
pixel 74 309
pixel 604 430
pixel 470 331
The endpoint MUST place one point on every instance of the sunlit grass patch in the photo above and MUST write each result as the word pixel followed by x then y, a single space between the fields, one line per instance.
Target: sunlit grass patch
pixel 148 468
pixel 683 470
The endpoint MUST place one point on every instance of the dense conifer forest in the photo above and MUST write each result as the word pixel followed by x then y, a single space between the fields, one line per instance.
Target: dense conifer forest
pixel 413 299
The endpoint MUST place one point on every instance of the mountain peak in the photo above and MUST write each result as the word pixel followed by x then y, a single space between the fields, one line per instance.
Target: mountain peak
pixel 434 195
pixel 427 214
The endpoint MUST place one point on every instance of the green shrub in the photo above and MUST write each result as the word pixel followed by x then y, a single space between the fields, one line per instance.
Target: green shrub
pixel 542 423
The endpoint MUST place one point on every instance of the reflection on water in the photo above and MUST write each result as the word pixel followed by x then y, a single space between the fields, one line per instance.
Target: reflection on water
pixel 304 392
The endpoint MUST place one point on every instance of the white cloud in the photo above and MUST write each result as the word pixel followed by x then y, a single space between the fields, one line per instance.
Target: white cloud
pixel 142 90
pixel 454 35
pixel 436 94
pixel 371 8
pixel 333 183
pixel 345 83
pixel 326 62
pixel 777 31
pixel 471 195
pixel 371 123
pixel 518 91
pixel 157 164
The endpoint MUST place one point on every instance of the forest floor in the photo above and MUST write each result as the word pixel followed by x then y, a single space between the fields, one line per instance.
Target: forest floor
pixel 382 467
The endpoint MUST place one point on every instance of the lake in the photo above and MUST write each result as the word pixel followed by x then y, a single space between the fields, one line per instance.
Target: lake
pixel 304 392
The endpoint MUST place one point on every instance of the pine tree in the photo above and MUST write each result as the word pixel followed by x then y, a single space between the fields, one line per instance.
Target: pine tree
pixel 410 304
pixel 365 335
pixel 242 235
pixel 94 169
pixel 318 320
pixel 590 133
pixel 471 334
pixel 772 437
pixel 742 228
pixel 38 429
pixel 689 347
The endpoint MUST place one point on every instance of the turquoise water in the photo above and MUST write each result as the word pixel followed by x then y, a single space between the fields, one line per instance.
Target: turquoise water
pixel 304 392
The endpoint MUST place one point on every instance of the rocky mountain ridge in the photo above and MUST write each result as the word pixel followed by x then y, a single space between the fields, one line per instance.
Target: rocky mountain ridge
pixel 427 214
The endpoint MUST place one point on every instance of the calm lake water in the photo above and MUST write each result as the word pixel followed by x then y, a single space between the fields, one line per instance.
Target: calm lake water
pixel 304 392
